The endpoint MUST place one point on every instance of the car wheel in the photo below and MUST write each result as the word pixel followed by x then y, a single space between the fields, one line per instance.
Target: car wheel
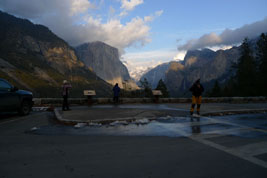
pixel 25 108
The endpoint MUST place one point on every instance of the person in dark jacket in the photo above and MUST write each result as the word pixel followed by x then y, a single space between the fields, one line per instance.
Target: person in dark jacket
pixel 116 91
pixel 65 93
pixel 197 90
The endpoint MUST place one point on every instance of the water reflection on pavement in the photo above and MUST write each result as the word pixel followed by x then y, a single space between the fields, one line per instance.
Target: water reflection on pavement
pixel 251 125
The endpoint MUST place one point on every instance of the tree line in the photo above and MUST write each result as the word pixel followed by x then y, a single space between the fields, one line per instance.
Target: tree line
pixel 250 72
pixel 147 89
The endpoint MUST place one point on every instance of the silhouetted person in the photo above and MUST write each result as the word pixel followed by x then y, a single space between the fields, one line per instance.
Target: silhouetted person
pixel 196 90
pixel 116 92
pixel 65 93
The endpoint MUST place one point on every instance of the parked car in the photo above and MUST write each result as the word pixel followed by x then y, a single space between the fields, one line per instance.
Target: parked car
pixel 13 99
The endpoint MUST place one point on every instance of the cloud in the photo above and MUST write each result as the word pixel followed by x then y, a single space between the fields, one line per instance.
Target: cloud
pixel 152 17
pixel 75 21
pixel 179 56
pixel 139 62
pixel 131 4
pixel 227 37
pixel 80 6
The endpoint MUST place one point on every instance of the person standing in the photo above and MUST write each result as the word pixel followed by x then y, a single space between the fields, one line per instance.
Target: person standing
pixel 197 90
pixel 116 92
pixel 65 93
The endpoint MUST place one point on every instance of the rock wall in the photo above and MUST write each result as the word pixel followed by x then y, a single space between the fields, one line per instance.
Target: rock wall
pixel 204 64
pixel 104 61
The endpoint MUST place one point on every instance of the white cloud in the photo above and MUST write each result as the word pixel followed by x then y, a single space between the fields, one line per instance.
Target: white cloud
pixel 227 37
pixel 159 13
pixel 221 47
pixel 131 4
pixel 179 56
pixel 152 17
pixel 123 13
pixel 80 6
pixel 74 22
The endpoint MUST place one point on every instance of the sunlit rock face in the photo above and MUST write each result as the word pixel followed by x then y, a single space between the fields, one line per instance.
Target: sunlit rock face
pixel 204 64
pixel 36 59
pixel 104 61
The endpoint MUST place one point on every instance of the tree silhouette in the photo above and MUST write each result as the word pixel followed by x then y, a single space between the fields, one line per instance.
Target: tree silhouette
pixel 246 74
pixel 162 87
pixel 147 88
pixel 262 58
pixel 216 90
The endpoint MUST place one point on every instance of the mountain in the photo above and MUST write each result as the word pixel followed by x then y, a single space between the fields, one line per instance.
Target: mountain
pixel 198 58
pixel 105 62
pixel 34 58
pixel 155 74
pixel 205 64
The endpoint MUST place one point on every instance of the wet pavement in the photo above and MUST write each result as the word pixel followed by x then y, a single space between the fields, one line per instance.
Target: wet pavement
pixel 167 146
pixel 109 113
pixel 226 133
pixel 247 125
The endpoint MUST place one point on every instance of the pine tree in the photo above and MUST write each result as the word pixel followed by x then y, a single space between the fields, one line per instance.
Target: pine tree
pixel 147 88
pixel 229 88
pixel 216 90
pixel 262 57
pixel 162 87
pixel 246 73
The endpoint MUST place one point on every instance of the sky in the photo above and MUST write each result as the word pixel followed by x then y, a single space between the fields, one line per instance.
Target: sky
pixel 147 32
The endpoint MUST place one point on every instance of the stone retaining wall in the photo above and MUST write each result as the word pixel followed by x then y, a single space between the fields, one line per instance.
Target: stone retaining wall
pixel 84 101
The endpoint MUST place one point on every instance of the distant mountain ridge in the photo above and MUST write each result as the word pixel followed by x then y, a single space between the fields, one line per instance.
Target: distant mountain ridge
pixel 155 74
pixel 205 64
pixel 34 58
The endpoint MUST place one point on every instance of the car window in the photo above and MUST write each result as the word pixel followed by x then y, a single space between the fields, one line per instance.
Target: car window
pixel 5 86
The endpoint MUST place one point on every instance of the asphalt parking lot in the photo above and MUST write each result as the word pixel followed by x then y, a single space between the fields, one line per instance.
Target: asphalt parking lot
pixel 168 146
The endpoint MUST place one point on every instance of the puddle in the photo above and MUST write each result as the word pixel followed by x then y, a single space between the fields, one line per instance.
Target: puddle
pixel 166 126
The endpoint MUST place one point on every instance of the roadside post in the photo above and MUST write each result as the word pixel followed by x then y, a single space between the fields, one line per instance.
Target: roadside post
pixel 89 94
pixel 156 94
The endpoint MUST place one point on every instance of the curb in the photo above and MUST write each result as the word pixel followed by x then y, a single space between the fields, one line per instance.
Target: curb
pixel 84 101
pixel 60 118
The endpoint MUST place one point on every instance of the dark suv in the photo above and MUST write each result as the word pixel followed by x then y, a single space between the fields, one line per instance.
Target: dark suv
pixel 13 99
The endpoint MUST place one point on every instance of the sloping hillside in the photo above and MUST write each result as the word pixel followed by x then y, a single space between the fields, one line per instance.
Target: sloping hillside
pixel 34 58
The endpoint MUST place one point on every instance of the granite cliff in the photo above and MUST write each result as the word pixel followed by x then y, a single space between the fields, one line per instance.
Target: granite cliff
pixel 205 64
pixel 104 61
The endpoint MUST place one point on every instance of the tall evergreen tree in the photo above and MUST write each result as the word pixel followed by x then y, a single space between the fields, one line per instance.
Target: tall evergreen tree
pixel 246 73
pixel 216 90
pixel 262 58
pixel 147 88
pixel 162 87
pixel 229 88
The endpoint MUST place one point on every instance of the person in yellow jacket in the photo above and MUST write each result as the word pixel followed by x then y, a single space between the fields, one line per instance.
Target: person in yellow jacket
pixel 197 90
